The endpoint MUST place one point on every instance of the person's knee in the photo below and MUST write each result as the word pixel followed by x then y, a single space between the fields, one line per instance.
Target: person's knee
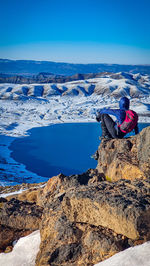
pixel 103 117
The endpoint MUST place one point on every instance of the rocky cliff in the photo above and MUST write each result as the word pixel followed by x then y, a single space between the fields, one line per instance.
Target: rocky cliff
pixel 84 219
pixel 127 158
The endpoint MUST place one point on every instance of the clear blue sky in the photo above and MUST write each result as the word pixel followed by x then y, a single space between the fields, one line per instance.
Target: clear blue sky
pixel 78 31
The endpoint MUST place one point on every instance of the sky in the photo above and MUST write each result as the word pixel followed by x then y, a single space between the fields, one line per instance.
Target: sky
pixel 76 31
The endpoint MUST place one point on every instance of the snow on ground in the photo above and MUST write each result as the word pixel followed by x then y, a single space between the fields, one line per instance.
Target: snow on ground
pixel 26 249
pixel 134 256
pixel 24 252
pixel 18 191
pixel 19 116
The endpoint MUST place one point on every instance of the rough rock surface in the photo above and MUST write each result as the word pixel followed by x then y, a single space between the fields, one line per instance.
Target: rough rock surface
pixel 17 218
pixel 123 206
pixel 66 242
pixel 127 158
pixel 20 215
pixel 88 223
pixel 60 184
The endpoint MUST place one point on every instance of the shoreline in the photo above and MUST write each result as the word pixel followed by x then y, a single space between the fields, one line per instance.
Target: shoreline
pixel 15 135
pixel 11 169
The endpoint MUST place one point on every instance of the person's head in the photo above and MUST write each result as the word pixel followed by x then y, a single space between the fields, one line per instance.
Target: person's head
pixel 124 103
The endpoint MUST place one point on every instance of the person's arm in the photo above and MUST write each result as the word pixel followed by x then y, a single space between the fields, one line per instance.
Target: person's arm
pixel 136 129
pixel 115 112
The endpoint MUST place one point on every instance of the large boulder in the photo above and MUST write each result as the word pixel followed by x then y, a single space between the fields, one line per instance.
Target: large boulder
pixel 90 221
pixel 65 241
pixel 127 158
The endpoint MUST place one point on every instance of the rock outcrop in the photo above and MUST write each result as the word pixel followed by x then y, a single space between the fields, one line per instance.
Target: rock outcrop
pixel 84 219
pixel 87 223
pixel 127 158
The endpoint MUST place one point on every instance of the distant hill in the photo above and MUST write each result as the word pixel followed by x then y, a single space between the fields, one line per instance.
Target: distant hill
pixel 31 67
pixel 112 85
pixel 46 78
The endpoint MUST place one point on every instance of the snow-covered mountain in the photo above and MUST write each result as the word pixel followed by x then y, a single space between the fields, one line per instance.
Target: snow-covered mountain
pixel 114 85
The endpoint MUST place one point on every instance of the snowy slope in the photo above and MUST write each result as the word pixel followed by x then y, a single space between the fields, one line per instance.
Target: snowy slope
pixel 24 252
pixel 135 256
pixel 26 249
pixel 114 85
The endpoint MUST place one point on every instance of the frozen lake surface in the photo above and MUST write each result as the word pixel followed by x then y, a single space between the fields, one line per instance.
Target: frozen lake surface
pixel 60 148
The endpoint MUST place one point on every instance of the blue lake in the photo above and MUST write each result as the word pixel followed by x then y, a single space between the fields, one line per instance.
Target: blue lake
pixel 60 148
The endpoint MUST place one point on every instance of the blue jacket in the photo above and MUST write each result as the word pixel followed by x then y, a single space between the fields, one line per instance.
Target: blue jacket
pixel 120 114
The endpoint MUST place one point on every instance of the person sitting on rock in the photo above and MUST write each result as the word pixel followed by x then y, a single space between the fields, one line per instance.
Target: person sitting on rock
pixel 127 120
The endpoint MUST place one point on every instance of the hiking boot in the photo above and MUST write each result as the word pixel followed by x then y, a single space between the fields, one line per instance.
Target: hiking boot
pixel 95 156
pixel 105 132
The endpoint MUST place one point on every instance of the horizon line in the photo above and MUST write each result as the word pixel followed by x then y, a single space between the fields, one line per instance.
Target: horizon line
pixel 62 62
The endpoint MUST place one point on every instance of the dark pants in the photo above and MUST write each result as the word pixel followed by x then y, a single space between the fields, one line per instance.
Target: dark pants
pixel 109 128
